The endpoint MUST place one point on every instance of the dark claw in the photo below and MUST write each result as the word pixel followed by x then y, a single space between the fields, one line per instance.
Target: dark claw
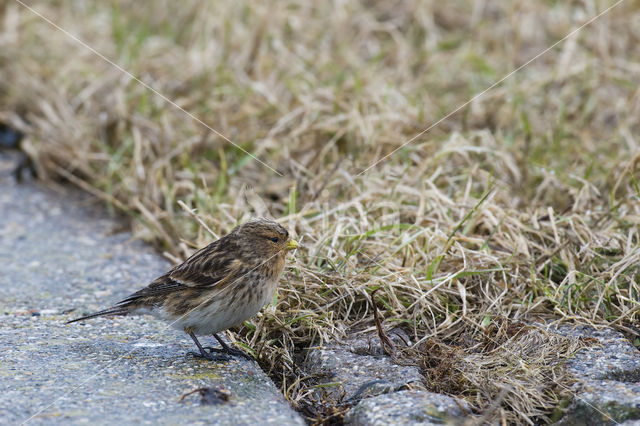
pixel 238 353
pixel 215 354
pixel 229 351
pixel 211 356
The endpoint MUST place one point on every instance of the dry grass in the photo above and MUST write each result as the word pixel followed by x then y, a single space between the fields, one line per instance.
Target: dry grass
pixel 523 206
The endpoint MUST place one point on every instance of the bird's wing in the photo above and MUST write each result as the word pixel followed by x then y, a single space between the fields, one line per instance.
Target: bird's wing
pixel 213 265
pixel 210 266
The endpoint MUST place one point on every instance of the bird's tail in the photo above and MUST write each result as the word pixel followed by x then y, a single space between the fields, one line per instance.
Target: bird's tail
pixel 116 310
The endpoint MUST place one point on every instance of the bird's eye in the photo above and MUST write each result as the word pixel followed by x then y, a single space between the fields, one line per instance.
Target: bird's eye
pixel 274 239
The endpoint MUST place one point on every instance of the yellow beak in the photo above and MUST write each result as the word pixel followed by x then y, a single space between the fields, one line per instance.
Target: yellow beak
pixel 291 244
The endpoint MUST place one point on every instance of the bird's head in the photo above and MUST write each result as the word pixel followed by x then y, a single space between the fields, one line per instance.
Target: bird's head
pixel 265 238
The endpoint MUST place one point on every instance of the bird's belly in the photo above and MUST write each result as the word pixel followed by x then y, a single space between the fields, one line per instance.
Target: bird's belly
pixel 222 313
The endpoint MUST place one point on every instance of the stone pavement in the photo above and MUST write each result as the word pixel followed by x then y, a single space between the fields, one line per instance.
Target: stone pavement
pixel 61 256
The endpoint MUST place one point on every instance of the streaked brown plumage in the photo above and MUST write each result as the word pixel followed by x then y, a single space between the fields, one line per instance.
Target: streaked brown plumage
pixel 218 287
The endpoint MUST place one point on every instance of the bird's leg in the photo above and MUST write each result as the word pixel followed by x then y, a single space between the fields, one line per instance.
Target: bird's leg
pixel 204 354
pixel 228 350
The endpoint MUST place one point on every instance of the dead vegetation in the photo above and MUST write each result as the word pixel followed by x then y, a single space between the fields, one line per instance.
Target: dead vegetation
pixel 522 207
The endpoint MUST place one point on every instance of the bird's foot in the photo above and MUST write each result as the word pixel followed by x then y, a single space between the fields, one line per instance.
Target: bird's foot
pixel 215 354
pixel 211 356
pixel 229 351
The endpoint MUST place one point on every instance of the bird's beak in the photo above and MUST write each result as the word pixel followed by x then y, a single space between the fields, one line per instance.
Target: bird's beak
pixel 291 244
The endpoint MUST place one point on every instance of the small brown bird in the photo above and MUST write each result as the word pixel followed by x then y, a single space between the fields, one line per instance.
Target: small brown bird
pixel 218 287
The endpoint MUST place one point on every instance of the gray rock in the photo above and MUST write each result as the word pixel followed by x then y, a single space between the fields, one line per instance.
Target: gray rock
pixel 369 344
pixel 61 254
pixel 605 402
pixel 358 371
pixel 409 407
pixel 614 357
pixel 347 376
pixel 608 375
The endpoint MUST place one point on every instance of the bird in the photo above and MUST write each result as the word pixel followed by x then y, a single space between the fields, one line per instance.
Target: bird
pixel 218 287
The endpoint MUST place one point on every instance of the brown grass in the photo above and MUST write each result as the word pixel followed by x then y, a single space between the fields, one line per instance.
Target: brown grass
pixel 522 207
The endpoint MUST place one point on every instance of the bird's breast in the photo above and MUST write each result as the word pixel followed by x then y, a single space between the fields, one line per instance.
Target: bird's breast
pixel 220 309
